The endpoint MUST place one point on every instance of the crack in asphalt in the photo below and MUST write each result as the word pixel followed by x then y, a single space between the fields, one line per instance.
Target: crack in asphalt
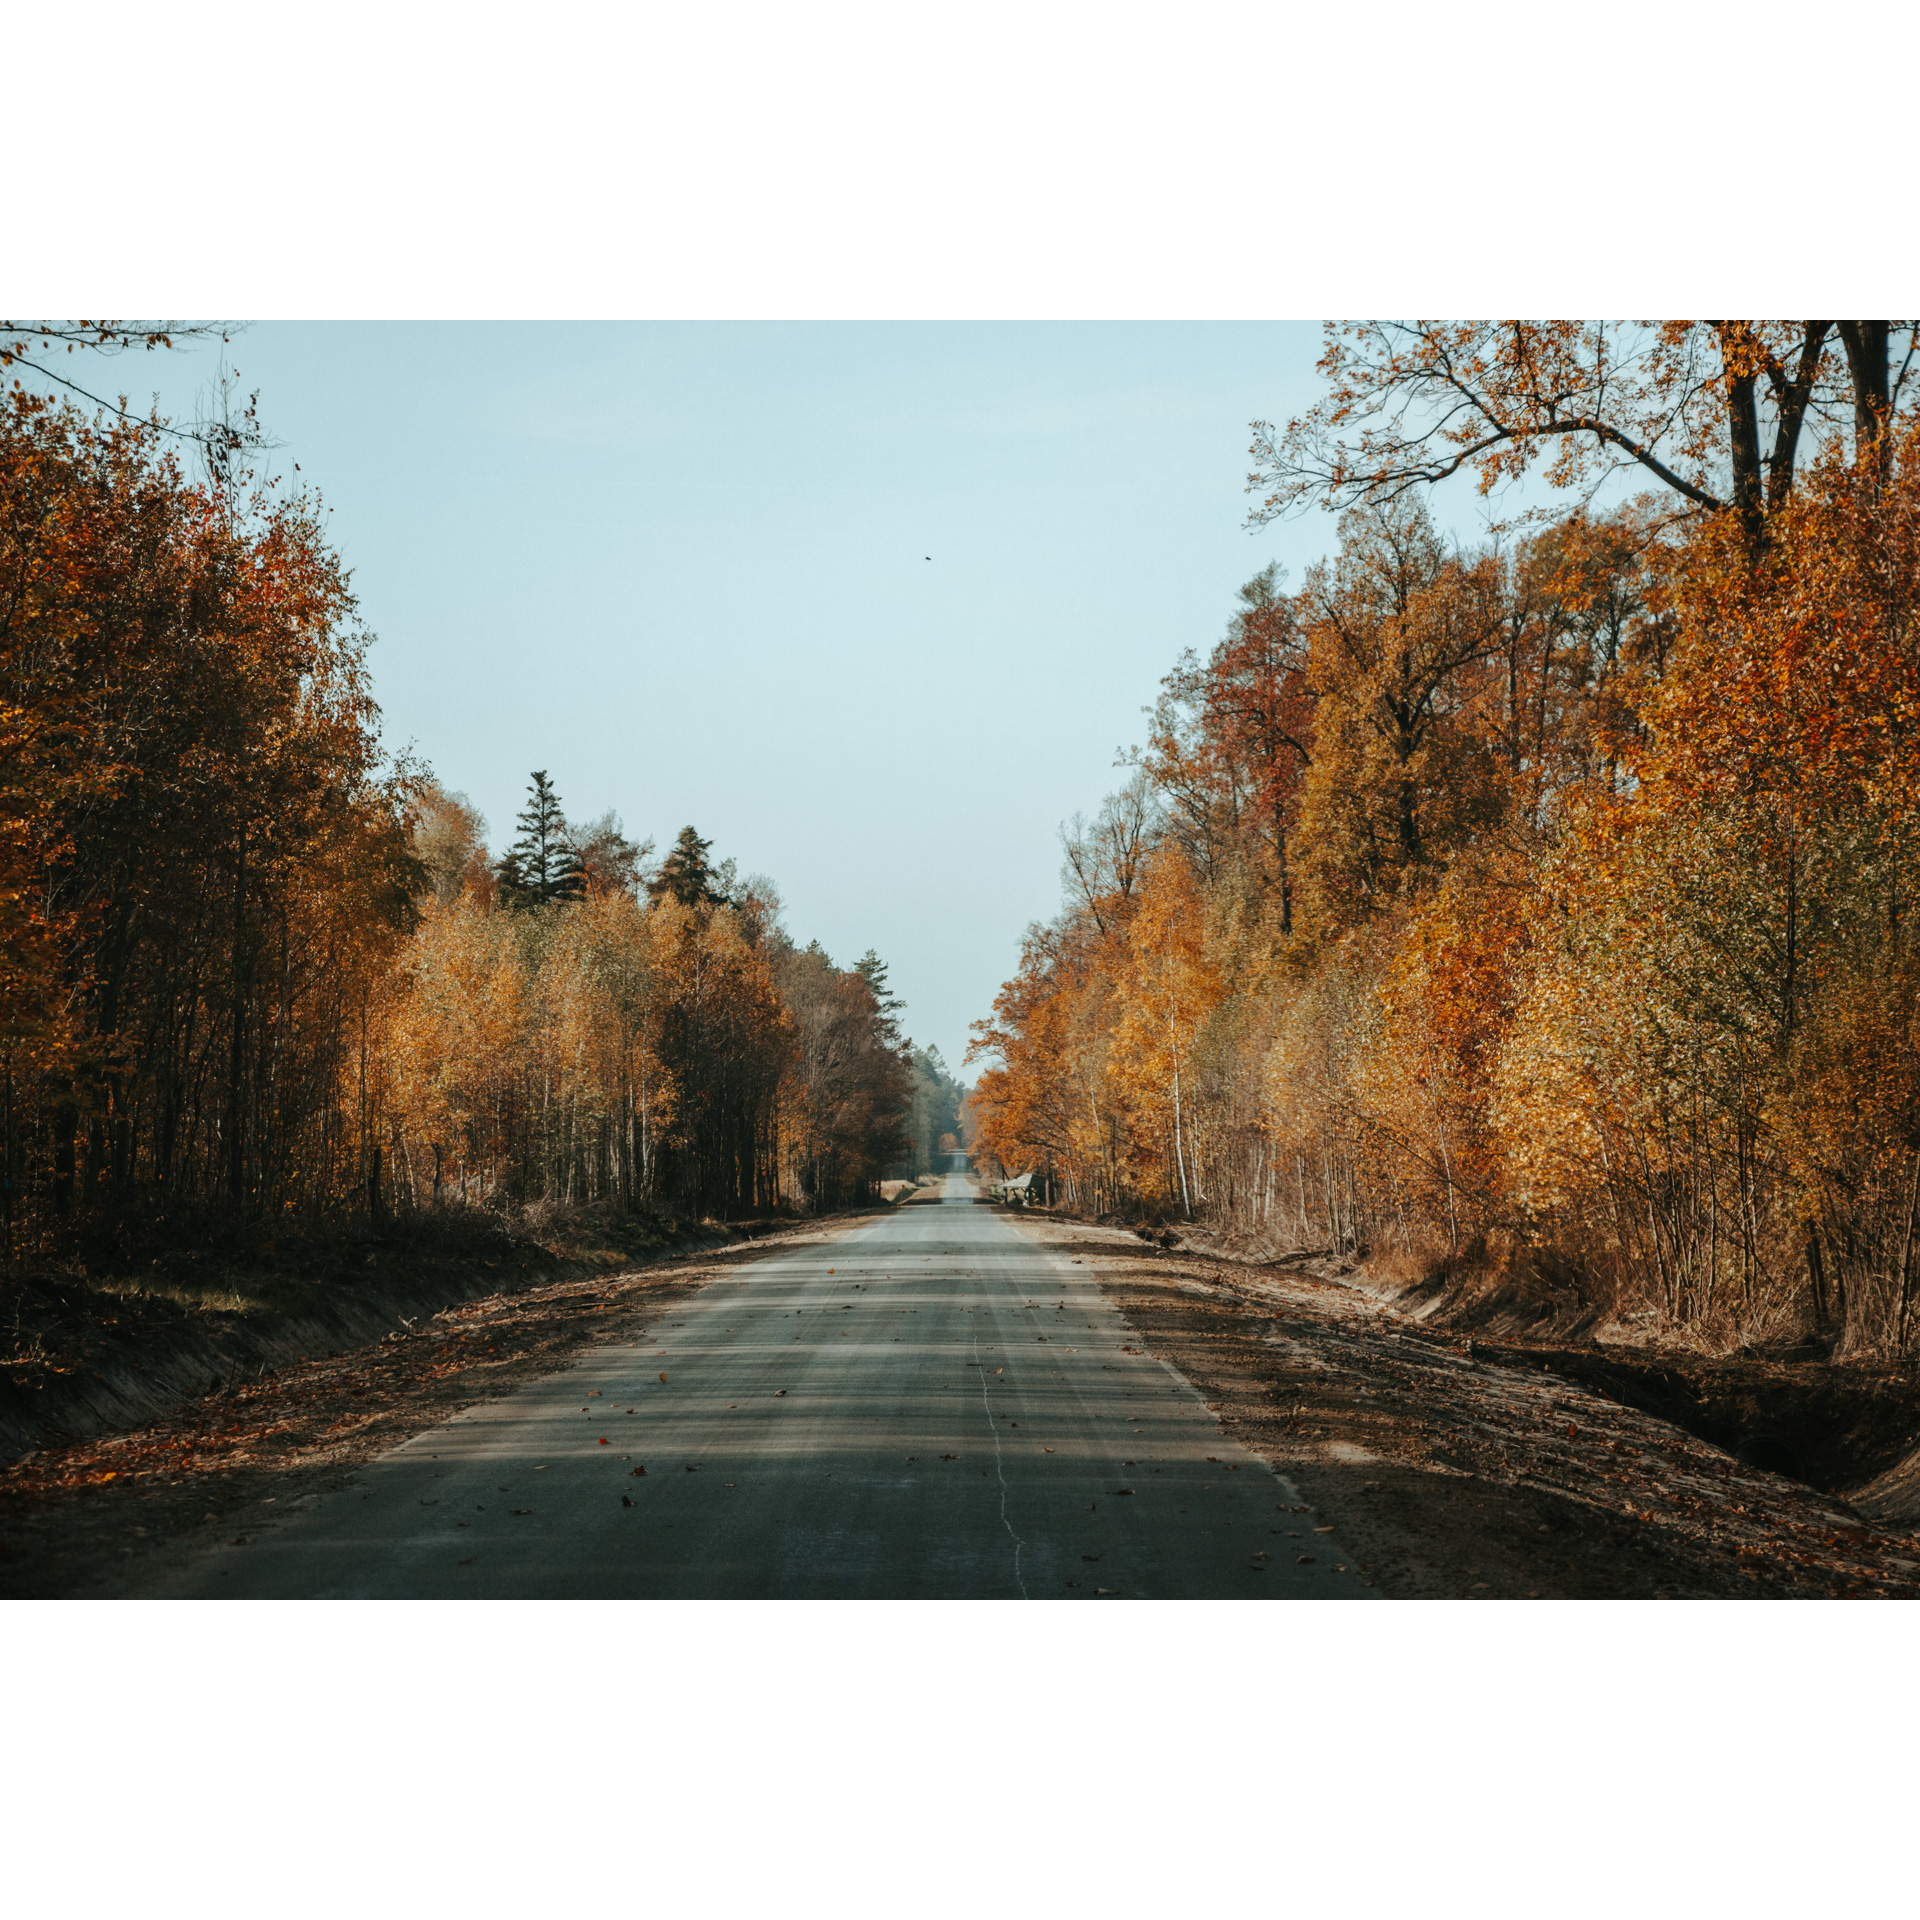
pixel 1018 1543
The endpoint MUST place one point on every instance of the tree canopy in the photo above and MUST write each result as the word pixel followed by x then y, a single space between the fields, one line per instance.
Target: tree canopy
pixel 1720 413
pixel 1537 908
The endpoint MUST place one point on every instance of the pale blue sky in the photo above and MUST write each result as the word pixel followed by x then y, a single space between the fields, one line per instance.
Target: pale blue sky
pixel 682 567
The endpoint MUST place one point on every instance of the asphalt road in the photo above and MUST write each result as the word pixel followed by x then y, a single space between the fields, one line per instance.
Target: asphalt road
pixel 929 1407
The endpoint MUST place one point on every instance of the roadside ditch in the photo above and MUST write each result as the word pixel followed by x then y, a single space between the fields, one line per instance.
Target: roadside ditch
pixel 1454 1466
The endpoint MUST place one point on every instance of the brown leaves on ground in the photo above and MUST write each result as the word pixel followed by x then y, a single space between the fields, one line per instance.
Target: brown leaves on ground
pixel 83 1518
pixel 1443 1474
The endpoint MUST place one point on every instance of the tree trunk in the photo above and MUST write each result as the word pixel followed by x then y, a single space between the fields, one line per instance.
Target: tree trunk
pixel 1793 414
pixel 1866 344
pixel 1743 440
pixel 1817 1277
pixel 236 1057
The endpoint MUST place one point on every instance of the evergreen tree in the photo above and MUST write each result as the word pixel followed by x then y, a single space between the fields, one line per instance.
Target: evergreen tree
pixel 873 970
pixel 687 876
pixel 541 865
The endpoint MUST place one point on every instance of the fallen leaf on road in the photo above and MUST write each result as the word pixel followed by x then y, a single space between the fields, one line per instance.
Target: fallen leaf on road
pixel 663 1379
pixel 639 1473
pixel 463 1563
pixel 1121 1492
pixel 1106 1593
pixel 1089 1556
pixel 517 1510
pixel 779 1393
pixel 691 1468
pixel 1306 1559
pixel 949 1456
pixel 1046 1449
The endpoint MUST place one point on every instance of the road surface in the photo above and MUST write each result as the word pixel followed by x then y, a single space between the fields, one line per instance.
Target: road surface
pixel 928 1407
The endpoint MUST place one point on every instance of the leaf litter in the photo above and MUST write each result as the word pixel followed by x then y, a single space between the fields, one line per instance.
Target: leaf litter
pixel 1445 1473
pixel 92 1516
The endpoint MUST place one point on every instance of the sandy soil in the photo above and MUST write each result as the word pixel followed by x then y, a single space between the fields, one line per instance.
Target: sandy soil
pixel 82 1518
pixel 1445 1473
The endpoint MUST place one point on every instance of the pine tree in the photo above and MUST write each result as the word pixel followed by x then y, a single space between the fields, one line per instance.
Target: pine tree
pixel 873 970
pixel 541 865
pixel 686 874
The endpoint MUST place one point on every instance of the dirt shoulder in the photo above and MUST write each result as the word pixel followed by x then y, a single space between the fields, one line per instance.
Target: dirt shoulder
pixel 117 1336
pixel 1447 1471
pixel 89 1517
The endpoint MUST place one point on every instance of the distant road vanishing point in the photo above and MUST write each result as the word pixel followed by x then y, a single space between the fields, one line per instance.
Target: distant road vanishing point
pixel 928 1407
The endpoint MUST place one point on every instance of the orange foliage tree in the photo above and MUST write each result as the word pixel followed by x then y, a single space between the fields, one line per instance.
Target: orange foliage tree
pixel 249 967
pixel 1578 942
pixel 207 866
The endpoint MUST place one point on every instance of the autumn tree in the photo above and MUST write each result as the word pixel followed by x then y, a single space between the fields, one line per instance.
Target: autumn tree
pixel 1103 857
pixel 221 859
pixel 450 842
pixel 1231 740
pixel 852 1085
pixel 1679 403
pixel 609 861
pixel 1398 627
pixel 61 354
pixel 1541 910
